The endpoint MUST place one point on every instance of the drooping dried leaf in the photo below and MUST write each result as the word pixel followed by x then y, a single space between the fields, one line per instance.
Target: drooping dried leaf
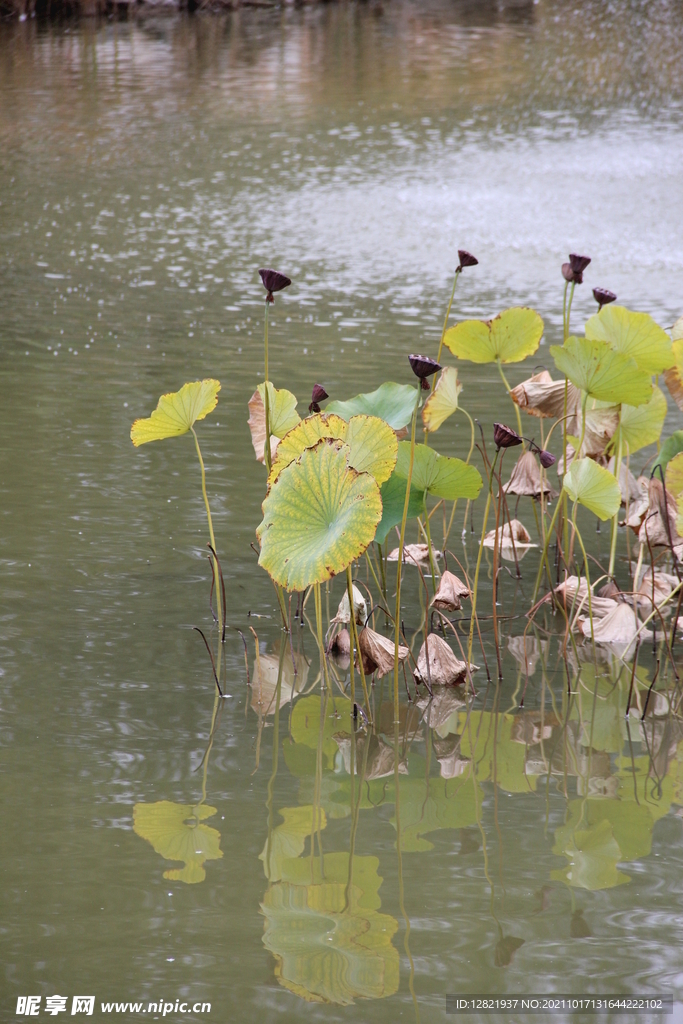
pixel 340 646
pixel 360 608
pixel 542 396
pixel 572 596
pixel 257 426
pixel 663 585
pixel 449 593
pixel 264 680
pixel 444 668
pixel 526 478
pixel 509 532
pixel 378 652
pixel 654 525
pixel 414 554
pixel 619 626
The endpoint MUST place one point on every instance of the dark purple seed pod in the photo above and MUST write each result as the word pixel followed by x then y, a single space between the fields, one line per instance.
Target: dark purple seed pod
pixel 273 281
pixel 603 296
pixel 314 407
pixel 547 459
pixel 423 366
pixel 567 272
pixel 466 259
pixel 578 263
pixel 504 437
pixel 319 393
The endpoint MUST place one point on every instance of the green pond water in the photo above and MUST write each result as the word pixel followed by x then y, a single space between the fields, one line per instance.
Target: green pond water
pixel 147 169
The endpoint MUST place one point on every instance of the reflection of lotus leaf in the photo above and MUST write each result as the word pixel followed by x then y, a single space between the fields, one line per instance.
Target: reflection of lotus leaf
pixel 305 727
pixel 487 739
pixel 593 857
pixel 289 838
pixel 440 803
pixel 327 950
pixel 264 680
pixel 175 832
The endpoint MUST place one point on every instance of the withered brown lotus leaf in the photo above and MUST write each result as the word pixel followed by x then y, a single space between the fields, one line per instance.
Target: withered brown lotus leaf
pixel 414 554
pixel 610 589
pixel 525 478
pixel 663 584
pixel 653 527
pixel 542 396
pixel 619 626
pixel 378 652
pixel 572 595
pixel 340 645
pixel 449 593
pixel 514 530
pixel 444 668
pixel 360 608
pixel 628 485
pixel 257 426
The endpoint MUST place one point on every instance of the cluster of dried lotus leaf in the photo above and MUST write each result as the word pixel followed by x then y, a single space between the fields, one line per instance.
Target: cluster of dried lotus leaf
pixel 414 554
pixel 442 668
pixel 449 593
pixel 378 652
pixel 525 478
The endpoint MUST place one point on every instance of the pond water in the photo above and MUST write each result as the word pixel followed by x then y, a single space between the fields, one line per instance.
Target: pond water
pixel 147 169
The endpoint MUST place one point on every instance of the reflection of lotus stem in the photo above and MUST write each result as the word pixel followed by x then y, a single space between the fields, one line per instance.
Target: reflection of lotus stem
pixel 397 620
pixel 448 313
pixel 432 565
pixel 401 899
pixel 507 388
pixel 496 540
pixel 354 642
pixel 617 472
pixel 319 628
pixel 276 747
pixel 481 548
pixel 355 810
pixel 576 532
pixel 266 401
pixel 216 576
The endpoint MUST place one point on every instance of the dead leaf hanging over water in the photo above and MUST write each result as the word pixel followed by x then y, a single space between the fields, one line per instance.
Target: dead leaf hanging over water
pixel 378 652
pixel 414 554
pixel 449 593
pixel 525 478
pixel 444 668
pixel 654 527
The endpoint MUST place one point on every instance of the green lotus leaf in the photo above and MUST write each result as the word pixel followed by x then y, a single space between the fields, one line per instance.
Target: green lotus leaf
pixel 177 833
pixel 674 474
pixel 443 401
pixel 602 372
pixel 177 412
pixel 508 338
pixel 372 443
pixel 671 447
pixel 641 425
pixel 393 403
pixel 319 515
pixel 323 925
pixel 673 377
pixel 282 409
pixel 633 334
pixel 436 474
pixel 593 487
pixel 393 500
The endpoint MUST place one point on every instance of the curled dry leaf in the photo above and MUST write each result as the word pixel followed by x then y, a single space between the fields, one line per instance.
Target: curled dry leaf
pixel 451 762
pixel 257 426
pixel 380 761
pixel 378 652
pixel 264 681
pixel 619 626
pixel 360 608
pixel 543 397
pixel 444 668
pixel 414 554
pixel 444 702
pixel 654 526
pixel 526 478
pixel 663 583
pixel 340 646
pixel 449 593
pixel 509 532
pixel 572 595
pixel 639 506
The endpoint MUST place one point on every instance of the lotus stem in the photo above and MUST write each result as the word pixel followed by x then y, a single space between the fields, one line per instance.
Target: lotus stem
pixel 448 313
pixel 397 619
pixel 615 517
pixel 432 563
pixel 266 400
pixel 576 533
pixel 319 628
pixel 355 645
pixel 544 553
pixel 216 576
pixel 508 389
pixel 467 462
pixel 481 549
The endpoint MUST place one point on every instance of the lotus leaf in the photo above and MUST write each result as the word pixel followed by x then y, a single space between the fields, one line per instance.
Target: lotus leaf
pixel 443 401
pixel 318 517
pixel 602 372
pixel 393 500
pixel 593 487
pixel 289 839
pixel 641 425
pixel 673 377
pixel 671 447
pixel 372 443
pixel 674 474
pixel 593 855
pixel 393 403
pixel 175 831
pixel 633 334
pixel 283 417
pixel 508 338
pixel 177 412
pixel 436 474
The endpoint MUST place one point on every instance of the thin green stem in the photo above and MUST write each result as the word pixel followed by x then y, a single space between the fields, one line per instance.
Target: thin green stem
pixel 615 517
pixel 481 549
pixel 448 313
pixel 354 642
pixel 216 576
pixel 508 389
pixel 467 462
pixel 397 620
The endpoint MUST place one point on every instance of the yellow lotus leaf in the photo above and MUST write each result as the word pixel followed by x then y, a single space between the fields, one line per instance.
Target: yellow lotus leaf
pixel 443 401
pixel 673 377
pixel 283 416
pixel 674 474
pixel 372 443
pixel 508 338
pixel 641 425
pixel 177 832
pixel 633 334
pixel 177 412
